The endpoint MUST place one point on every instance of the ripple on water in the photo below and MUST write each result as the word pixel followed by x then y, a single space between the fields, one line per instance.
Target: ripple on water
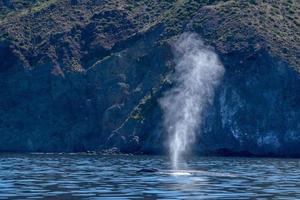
pixel 116 177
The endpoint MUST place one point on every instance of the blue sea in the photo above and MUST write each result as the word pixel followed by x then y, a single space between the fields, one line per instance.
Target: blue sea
pixel 79 176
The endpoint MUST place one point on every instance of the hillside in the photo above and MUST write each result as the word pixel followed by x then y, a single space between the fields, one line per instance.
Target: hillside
pixel 228 25
pixel 79 75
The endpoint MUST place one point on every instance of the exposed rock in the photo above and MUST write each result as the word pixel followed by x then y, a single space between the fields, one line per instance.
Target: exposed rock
pixel 78 76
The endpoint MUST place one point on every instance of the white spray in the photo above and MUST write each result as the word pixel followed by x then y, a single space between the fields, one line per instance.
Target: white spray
pixel 197 73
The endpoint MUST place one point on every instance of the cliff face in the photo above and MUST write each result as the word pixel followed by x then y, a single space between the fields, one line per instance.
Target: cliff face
pixel 256 110
pixel 86 75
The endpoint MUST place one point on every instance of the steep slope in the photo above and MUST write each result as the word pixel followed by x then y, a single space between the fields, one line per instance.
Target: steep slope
pixel 86 74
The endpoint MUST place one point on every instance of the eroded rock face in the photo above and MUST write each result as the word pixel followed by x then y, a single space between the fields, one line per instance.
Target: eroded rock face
pixel 86 75
pixel 46 109
pixel 113 104
pixel 256 110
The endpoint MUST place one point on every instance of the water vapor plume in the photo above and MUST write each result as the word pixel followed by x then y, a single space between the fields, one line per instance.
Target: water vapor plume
pixel 198 72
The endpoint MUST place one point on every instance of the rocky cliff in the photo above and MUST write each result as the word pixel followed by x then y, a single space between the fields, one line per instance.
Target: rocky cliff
pixel 85 75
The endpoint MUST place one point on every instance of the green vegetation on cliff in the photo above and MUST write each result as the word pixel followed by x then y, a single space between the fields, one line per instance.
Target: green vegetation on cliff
pixel 41 29
pixel 80 75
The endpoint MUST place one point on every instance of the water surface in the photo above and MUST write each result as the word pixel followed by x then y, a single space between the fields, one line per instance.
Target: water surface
pixel 116 177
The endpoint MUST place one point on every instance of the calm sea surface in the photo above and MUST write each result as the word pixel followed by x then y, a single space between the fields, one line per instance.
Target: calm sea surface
pixel 116 177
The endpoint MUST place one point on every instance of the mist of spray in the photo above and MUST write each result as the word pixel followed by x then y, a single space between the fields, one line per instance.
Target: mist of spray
pixel 197 73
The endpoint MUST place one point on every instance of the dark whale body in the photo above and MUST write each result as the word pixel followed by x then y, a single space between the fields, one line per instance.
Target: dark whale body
pixel 148 170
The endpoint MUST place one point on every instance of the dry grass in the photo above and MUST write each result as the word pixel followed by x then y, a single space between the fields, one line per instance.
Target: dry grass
pixel 53 29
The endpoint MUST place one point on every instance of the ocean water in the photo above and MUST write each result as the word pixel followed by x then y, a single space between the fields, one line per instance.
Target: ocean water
pixel 44 176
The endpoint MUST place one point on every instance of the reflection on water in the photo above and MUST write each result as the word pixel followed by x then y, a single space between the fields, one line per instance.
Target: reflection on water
pixel 116 177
